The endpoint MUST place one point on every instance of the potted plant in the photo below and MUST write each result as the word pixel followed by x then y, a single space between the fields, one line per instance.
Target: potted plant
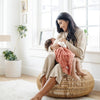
pixel 22 30
pixel 12 63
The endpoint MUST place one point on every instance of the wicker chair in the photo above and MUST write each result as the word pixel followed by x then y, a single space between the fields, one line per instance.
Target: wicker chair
pixel 69 88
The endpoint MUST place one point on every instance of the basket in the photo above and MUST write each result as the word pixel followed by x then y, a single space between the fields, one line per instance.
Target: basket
pixel 70 88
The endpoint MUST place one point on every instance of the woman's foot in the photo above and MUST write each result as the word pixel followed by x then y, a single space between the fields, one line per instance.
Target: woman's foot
pixel 50 83
pixel 37 97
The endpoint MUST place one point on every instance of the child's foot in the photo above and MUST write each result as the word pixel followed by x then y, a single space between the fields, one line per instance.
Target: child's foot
pixel 75 76
pixel 81 73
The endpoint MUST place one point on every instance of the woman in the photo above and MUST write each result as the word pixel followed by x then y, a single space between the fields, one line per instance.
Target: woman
pixel 75 40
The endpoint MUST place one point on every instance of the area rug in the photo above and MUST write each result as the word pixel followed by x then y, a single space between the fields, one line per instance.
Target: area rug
pixel 24 90
pixel 17 90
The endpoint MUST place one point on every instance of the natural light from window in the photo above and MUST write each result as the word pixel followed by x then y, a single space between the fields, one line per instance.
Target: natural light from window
pixel 49 11
pixel 86 14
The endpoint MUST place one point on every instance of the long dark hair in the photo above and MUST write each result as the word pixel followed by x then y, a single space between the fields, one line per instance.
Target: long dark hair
pixel 71 26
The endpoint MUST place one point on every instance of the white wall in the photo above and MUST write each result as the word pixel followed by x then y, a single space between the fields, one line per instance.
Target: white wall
pixel 13 19
pixel 10 19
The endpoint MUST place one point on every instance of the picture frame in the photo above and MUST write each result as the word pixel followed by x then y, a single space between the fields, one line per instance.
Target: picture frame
pixel 24 5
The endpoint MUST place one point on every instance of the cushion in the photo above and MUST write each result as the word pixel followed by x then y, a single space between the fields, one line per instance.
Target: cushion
pixel 70 88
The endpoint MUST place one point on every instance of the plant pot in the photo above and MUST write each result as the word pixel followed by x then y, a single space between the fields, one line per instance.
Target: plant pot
pixel 13 68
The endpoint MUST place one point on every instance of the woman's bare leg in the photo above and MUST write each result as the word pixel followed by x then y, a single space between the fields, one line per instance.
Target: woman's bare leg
pixel 46 88
pixel 73 74
pixel 78 68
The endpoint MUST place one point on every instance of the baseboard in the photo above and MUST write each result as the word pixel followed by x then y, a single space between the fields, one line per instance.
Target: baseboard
pixel 97 85
pixel 1 70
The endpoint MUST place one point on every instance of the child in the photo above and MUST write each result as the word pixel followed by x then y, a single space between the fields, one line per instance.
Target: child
pixel 65 58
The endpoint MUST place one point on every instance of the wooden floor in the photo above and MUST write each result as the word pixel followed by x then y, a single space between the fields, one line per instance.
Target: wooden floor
pixel 95 95
pixel 24 77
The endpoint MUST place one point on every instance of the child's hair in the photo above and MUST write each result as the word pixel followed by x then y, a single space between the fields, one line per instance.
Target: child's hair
pixel 48 43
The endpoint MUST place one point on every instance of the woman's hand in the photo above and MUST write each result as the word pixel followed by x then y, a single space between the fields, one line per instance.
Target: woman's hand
pixel 63 40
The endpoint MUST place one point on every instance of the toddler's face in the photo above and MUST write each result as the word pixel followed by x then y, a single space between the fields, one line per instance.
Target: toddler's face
pixel 53 39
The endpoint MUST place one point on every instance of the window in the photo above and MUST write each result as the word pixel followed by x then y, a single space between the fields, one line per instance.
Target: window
pixel 86 14
pixel 49 10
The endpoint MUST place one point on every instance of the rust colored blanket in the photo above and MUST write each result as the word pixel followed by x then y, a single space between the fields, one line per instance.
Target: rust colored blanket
pixel 65 58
